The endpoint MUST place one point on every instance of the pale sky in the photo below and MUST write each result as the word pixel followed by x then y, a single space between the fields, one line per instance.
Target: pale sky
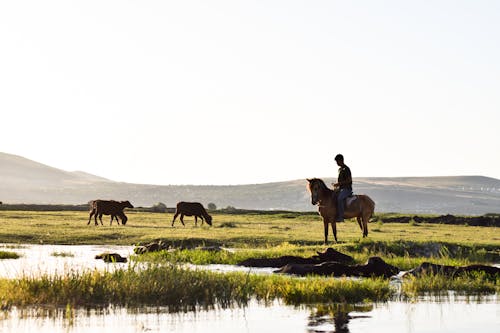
pixel 237 92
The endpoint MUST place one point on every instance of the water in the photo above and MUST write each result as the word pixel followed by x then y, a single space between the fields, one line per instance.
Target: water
pixel 452 314
pixel 425 315
pixel 36 260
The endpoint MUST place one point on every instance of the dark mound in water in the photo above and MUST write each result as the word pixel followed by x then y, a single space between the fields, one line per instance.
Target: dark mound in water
pixel 328 255
pixel 375 266
pixel 452 271
pixel 111 257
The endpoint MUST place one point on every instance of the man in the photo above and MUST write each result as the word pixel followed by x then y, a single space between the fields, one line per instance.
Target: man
pixel 344 186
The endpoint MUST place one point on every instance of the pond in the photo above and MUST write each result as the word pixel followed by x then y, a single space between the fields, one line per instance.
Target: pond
pixel 427 314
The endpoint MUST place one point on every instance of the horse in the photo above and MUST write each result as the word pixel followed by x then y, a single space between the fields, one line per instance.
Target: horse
pixel 362 208
pixel 108 207
pixel 195 209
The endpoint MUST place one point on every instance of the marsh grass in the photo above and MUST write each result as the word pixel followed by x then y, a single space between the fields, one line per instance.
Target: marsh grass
pixel 182 289
pixel 9 255
pixel 169 285
pixel 437 285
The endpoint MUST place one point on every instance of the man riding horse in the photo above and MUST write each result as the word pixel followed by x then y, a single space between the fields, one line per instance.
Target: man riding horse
pixel 343 186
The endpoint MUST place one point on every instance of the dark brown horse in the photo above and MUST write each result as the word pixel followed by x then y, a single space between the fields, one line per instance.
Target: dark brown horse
pixel 362 208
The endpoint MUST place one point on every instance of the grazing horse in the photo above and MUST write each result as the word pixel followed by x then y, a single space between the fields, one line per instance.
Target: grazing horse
pixel 195 209
pixel 362 208
pixel 109 207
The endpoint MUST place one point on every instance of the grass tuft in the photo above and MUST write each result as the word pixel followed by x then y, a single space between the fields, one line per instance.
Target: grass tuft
pixel 9 255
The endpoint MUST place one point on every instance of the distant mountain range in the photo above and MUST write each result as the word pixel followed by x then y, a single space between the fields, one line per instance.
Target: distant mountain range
pixel 26 181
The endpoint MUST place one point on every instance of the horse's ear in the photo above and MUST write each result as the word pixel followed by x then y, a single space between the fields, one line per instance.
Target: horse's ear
pixel 308 179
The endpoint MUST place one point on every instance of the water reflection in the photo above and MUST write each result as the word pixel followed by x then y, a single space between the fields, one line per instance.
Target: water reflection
pixel 454 314
pixel 325 317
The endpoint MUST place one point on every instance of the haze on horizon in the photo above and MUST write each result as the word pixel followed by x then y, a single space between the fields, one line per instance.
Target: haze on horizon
pixel 229 92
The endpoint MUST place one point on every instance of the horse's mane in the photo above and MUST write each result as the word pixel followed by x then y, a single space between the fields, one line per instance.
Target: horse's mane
pixel 318 181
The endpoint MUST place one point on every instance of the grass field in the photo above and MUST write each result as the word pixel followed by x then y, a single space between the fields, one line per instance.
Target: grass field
pixel 242 231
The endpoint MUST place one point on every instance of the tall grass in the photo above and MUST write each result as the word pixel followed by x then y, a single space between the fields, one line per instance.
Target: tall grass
pixel 178 288
pixel 436 284
pixel 184 289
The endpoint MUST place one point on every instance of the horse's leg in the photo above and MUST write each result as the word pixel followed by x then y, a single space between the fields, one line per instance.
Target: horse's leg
pixel 366 218
pixel 334 229
pixel 100 218
pixel 175 216
pixel 90 216
pixel 195 221
pixel 95 218
pixel 359 222
pixel 182 219
pixel 325 225
pixel 114 217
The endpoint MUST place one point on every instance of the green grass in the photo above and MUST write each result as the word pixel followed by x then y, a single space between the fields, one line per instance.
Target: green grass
pixel 169 285
pixel 438 285
pixel 232 230
pixel 183 289
pixel 8 255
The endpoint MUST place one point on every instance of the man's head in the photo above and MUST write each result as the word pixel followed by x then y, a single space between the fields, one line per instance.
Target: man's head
pixel 339 159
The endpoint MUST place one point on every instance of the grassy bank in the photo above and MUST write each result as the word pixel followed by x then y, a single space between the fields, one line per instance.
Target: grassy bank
pixel 181 289
pixel 169 285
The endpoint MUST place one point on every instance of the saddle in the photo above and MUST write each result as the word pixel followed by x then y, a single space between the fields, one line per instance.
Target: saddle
pixel 351 199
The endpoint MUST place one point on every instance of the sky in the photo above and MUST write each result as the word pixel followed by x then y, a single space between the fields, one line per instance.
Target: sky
pixel 241 92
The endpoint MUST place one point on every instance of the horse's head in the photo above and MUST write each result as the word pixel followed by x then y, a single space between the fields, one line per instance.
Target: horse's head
pixel 127 204
pixel 123 217
pixel 208 218
pixel 314 187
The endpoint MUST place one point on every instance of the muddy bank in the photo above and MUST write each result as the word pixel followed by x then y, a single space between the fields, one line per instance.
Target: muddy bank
pixel 481 221
pixel 163 245
pixel 452 271
pixel 328 255
pixel 326 264
pixel 374 267
pixel 488 253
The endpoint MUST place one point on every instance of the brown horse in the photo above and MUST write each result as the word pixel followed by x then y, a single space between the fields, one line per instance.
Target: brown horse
pixel 362 208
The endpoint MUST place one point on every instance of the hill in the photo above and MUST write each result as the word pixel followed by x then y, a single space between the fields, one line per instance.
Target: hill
pixel 26 181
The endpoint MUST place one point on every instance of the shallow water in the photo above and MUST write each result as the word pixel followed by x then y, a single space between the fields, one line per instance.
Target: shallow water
pixel 455 314
pixel 36 260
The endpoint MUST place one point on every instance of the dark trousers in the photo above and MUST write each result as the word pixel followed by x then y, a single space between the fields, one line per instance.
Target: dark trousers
pixel 343 193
